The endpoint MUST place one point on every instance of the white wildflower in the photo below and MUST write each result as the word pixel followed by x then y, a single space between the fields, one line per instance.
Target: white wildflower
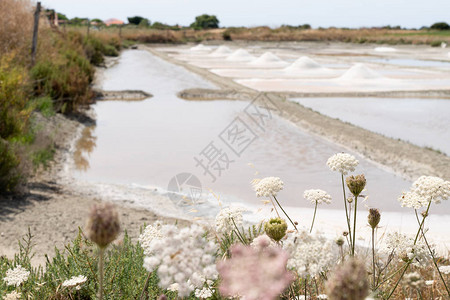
pixel 429 282
pixel 75 281
pixel 424 190
pixel 12 296
pixel 309 254
pixel 432 188
pixel 269 186
pixel 204 293
pixel 227 218
pixel 342 162
pixel 412 200
pixel 150 233
pixel 322 296
pixel 444 269
pixel 179 255
pixel 403 247
pixel 317 196
pixel 16 276
pixel 413 280
pixel 262 242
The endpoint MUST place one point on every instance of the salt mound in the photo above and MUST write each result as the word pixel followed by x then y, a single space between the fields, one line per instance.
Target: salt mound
pixel 240 55
pixel 448 54
pixel 221 51
pixel 267 58
pixel 385 49
pixel 303 63
pixel 200 47
pixel 360 71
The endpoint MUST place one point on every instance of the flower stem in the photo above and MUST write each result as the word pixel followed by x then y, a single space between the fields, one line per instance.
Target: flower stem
pixel 145 286
pixel 285 213
pixel 275 207
pixel 346 211
pixel 373 258
pixel 410 261
pixel 354 226
pixel 432 256
pixel 314 217
pixel 100 271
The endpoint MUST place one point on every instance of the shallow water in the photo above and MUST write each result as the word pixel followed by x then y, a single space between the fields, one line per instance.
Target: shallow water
pixel 407 62
pixel 147 143
pixel 424 122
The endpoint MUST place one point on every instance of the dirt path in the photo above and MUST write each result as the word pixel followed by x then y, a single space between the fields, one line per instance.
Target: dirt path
pixel 403 158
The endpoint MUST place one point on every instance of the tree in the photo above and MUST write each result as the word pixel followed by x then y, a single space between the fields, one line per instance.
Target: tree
pixel 440 26
pixel 62 17
pixel 205 21
pixel 136 20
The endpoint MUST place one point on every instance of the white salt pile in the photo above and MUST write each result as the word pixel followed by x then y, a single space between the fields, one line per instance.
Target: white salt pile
pixel 221 51
pixel 240 55
pixel 303 63
pixel 268 59
pixel 360 71
pixel 385 49
pixel 200 47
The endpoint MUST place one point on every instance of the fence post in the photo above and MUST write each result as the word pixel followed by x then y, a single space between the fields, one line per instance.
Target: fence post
pixel 35 33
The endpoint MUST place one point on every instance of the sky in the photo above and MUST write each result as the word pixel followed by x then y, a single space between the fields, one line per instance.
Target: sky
pixel 323 13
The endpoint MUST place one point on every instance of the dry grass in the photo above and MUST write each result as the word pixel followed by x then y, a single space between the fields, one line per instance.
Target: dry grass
pixel 363 35
pixel 15 28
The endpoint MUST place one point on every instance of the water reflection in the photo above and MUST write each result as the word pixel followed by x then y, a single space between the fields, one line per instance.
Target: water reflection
pixel 84 147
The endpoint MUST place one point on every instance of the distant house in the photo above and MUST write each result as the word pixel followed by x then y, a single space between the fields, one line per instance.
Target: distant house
pixel 110 22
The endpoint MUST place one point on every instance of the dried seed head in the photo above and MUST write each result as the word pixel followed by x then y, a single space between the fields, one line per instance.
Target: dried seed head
pixel 345 233
pixel 356 184
pixel 348 281
pixel 340 241
pixel 276 228
pixel 424 214
pixel 103 224
pixel 350 199
pixel 374 217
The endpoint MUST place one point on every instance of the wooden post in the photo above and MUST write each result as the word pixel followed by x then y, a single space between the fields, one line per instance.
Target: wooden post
pixel 35 33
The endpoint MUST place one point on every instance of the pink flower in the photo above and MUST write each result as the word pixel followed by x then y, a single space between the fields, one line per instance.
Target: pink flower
pixel 254 274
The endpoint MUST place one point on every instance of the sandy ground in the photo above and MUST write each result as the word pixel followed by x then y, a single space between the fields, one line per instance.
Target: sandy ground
pixel 53 210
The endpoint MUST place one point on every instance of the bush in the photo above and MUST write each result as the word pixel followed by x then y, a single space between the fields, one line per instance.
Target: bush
pixel 205 21
pixel 435 43
pixel 440 26
pixel 226 35
pixel 14 113
pixel 9 175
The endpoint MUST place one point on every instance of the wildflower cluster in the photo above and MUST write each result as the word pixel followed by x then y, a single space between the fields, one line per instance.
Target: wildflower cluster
pixel 228 219
pixel 16 276
pixel 150 233
pixel 404 248
pixel 75 281
pixel 309 254
pixel 317 196
pixel 184 257
pixel 343 163
pixel 424 190
pixel 269 186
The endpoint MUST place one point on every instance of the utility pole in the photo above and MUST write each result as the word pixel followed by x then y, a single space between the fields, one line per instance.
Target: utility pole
pixel 35 33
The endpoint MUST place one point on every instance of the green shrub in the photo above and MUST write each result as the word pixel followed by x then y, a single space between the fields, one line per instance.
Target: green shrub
pixel 9 175
pixel 110 51
pixel 440 26
pixel 435 43
pixel 205 22
pixel 65 79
